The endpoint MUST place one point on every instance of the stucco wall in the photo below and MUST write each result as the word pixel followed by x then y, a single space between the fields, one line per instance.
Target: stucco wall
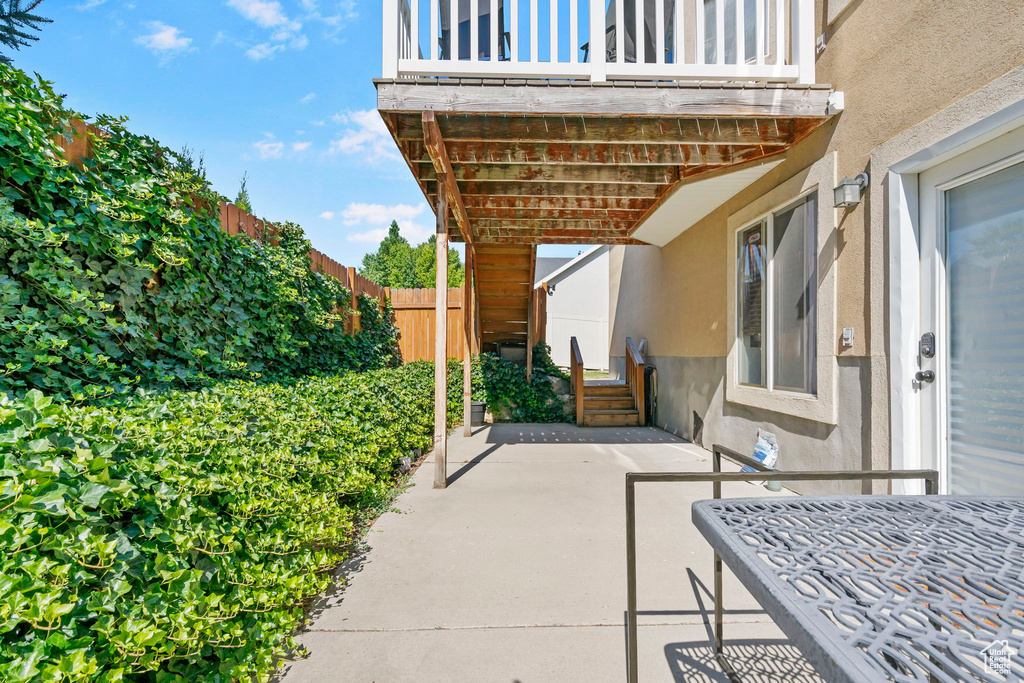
pixel 689 386
pixel 898 64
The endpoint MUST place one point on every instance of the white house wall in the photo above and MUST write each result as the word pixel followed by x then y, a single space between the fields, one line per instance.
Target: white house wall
pixel 579 307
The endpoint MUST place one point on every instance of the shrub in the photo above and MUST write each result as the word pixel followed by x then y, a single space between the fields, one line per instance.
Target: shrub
pixel 175 536
pixel 117 273
pixel 503 385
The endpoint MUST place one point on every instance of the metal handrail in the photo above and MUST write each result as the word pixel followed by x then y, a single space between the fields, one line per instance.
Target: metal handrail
pixel 716 477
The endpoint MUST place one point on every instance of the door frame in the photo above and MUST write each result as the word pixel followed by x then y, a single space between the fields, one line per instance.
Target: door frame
pixel 905 232
pixel 962 169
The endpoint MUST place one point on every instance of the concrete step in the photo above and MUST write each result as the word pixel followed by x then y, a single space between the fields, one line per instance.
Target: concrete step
pixel 608 402
pixel 611 418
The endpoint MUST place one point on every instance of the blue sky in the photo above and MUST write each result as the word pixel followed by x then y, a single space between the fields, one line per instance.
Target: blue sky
pixel 279 89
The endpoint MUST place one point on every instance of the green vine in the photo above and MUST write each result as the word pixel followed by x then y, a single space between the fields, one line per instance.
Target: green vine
pixel 176 536
pixel 116 274
pixel 502 384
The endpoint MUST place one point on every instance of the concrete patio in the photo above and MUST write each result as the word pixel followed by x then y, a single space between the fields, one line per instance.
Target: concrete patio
pixel 516 572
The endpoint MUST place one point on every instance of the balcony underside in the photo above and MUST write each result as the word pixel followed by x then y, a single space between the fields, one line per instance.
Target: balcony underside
pixel 540 162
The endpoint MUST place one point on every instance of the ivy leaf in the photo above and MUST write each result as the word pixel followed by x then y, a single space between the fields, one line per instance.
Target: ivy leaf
pixel 91 493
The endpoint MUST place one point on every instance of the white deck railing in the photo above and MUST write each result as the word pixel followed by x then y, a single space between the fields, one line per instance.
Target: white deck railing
pixel 691 40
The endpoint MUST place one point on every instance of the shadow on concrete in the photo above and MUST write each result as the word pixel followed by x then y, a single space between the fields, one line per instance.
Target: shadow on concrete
pixel 455 476
pixel 357 558
pixel 553 434
pixel 755 661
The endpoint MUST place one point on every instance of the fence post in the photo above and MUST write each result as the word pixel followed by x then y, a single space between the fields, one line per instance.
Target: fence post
pixel 355 300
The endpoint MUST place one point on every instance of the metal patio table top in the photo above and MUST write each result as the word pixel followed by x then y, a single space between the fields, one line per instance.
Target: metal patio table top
pixel 883 588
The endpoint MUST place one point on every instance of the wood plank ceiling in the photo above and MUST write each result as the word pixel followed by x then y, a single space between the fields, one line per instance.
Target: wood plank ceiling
pixel 583 178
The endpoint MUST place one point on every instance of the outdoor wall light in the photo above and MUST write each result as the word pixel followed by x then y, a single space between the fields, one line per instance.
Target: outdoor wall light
pixel 849 191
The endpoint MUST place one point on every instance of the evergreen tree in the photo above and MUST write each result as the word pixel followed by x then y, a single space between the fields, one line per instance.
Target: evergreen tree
pixel 393 264
pixel 242 200
pixel 15 19
pixel 426 265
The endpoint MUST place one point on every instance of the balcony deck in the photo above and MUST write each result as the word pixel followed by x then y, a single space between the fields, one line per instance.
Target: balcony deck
pixel 542 161
pixel 694 40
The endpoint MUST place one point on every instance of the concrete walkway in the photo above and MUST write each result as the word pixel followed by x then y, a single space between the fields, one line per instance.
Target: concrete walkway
pixel 516 572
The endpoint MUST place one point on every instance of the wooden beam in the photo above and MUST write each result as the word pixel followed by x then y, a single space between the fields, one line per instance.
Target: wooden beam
pixel 486 224
pixel 467 348
pixel 513 189
pixel 434 144
pixel 492 234
pixel 546 203
pixel 530 324
pixel 568 153
pixel 559 240
pixel 633 130
pixel 558 173
pixel 522 215
pixel 441 344
pixel 671 100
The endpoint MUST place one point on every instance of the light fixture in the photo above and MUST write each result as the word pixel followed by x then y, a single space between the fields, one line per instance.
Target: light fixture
pixel 849 191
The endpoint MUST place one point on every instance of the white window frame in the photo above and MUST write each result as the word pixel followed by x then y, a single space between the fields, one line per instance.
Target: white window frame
pixel 767 220
pixel 820 178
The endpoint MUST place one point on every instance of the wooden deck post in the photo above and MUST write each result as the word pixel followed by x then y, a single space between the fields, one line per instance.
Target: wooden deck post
pixel 530 323
pixel 467 349
pixel 441 342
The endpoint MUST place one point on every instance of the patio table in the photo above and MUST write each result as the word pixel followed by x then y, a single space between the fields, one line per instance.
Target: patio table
pixel 880 588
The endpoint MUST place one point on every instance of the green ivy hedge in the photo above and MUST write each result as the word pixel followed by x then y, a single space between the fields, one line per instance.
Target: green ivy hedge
pixel 502 384
pixel 117 274
pixel 176 536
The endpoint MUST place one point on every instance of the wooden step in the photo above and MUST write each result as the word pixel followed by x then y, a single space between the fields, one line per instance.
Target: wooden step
pixel 605 390
pixel 608 402
pixel 611 418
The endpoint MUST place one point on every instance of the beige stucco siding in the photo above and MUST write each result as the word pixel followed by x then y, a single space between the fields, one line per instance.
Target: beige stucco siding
pixel 897 63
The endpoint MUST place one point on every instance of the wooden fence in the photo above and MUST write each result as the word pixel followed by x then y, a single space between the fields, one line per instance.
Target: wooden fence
pixel 414 308
pixel 414 317
pixel 235 221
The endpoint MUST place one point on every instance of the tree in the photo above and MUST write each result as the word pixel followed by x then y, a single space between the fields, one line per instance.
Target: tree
pixel 393 264
pixel 426 265
pixel 242 200
pixel 15 18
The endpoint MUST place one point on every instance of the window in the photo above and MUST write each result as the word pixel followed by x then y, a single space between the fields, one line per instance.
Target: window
pixel 776 303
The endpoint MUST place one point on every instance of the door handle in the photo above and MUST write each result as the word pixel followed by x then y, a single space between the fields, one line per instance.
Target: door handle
pixel 925 376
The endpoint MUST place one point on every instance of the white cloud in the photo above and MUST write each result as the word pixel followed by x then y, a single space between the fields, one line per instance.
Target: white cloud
pixel 269 147
pixel 268 14
pixel 327 215
pixel 341 12
pixel 318 123
pixel 89 4
pixel 301 146
pixel 366 135
pixel 377 217
pixel 264 13
pixel 308 98
pixel 358 213
pixel 262 51
pixel 164 40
